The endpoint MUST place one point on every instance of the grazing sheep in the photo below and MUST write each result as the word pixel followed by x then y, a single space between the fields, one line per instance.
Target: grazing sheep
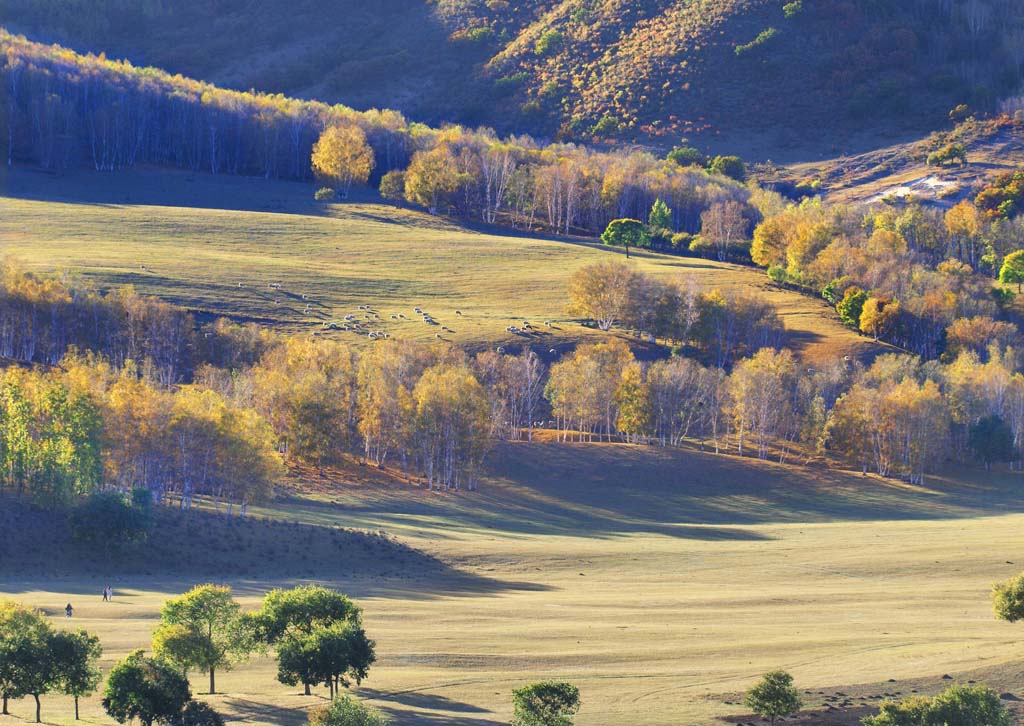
pixel 418 311
pixel 372 336
pixel 553 352
pixel 444 328
pixel 458 312
pixel 437 335
pixel 500 349
pixel 241 285
pixel 402 316
pixel 394 317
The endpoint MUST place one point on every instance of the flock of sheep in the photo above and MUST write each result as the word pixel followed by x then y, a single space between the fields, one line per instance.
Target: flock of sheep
pixel 367 321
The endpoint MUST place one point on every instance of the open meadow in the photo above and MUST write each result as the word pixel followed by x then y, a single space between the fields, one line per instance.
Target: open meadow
pixel 662 583
pixel 193 239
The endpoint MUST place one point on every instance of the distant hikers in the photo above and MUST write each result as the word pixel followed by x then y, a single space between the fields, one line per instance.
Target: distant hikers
pixel 108 593
pixel 68 610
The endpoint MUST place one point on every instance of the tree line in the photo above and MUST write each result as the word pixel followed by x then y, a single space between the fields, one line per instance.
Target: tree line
pixel 62 110
pixel 256 402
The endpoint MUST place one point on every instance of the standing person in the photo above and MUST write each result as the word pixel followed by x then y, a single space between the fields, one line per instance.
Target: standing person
pixel 105 594
pixel 67 611
pixel 110 593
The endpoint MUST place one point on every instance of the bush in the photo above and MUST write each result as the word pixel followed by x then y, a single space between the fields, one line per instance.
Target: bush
pixel 392 186
pixel 108 519
pixel 681 241
pixel 346 711
pixel 197 713
pixel 730 166
pixel 547 703
pixel 607 126
pixel 548 43
pixel 777 274
pixel 960 705
pixel 687 156
pixel 325 194
pixel 763 37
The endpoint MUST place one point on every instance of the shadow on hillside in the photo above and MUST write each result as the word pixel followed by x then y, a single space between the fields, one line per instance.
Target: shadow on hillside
pixel 605 490
pixel 201 545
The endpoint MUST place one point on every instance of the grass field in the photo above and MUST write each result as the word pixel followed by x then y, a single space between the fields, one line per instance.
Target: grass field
pixel 193 239
pixel 661 583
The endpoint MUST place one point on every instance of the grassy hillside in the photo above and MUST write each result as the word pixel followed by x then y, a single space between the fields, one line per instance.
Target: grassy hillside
pixel 861 587
pixel 749 75
pixel 193 239
pixel 900 170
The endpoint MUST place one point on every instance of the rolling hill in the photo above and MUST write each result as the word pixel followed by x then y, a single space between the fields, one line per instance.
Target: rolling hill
pixel 214 244
pixel 767 79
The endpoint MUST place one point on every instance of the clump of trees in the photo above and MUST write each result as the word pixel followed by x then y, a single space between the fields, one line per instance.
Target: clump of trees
pixel 318 637
pixel 36 659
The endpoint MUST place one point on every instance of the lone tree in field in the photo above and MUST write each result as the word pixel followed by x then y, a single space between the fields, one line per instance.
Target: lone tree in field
pixel 774 697
pixel 341 156
pixel 1012 271
pixel 75 658
pixel 546 703
pixel 145 688
pixel 626 233
pixel 204 628
pixel 318 635
pixel 346 711
pixel 23 632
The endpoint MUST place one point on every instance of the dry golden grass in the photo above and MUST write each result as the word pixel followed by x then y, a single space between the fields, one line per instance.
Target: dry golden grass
pixel 199 236
pixel 662 583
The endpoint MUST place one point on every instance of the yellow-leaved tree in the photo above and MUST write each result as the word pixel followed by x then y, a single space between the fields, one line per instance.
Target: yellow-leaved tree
pixel 342 156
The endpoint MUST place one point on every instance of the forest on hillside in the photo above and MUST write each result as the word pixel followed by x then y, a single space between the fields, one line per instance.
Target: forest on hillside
pixel 787 75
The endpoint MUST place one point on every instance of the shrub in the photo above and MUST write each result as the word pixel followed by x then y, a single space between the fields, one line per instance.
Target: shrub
pixel 681 241
pixel 777 274
pixel 325 194
pixel 392 186
pixel 197 713
pixel 793 9
pixel 687 156
pixel 548 43
pixel 960 705
pixel 763 37
pixel 547 703
pixel 108 519
pixel 346 711
pixel 607 126
pixel 730 166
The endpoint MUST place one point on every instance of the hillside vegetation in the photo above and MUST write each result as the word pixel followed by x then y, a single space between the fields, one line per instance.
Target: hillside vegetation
pixel 766 77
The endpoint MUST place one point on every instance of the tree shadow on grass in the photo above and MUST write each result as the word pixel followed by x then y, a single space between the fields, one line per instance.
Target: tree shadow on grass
pixel 609 490
pixel 421 701
pixel 202 545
